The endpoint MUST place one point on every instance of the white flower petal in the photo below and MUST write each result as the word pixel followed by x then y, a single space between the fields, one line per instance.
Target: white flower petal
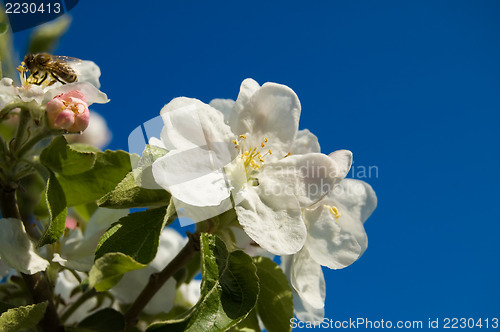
pixel 92 94
pixel 156 142
pixel 305 312
pixel 192 177
pixel 272 112
pixel 274 222
pixel 30 93
pixel 87 71
pixel 100 221
pixel 247 89
pixel 328 243
pixel 307 279
pixel 343 159
pixel 16 249
pixel 305 142
pixel 191 292
pixel 189 123
pixel 65 284
pixel 309 177
pixel 78 249
pixel 8 93
pixel 249 246
pixel 225 106
pixel 190 214
pixel 357 196
pixel 337 244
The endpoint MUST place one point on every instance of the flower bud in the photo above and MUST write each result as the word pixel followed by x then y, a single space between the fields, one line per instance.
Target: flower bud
pixel 68 111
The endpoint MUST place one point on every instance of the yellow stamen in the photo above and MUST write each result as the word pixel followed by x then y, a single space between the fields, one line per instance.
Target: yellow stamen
pixel 243 137
pixel 335 211
pixel 288 155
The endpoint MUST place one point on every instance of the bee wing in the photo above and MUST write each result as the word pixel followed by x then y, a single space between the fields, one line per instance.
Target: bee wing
pixel 66 59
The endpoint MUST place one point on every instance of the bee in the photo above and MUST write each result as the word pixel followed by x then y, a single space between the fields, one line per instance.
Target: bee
pixel 47 69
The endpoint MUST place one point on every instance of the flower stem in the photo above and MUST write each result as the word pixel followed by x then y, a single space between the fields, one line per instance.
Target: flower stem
pixel 24 119
pixel 45 132
pixel 37 283
pixel 6 110
pixel 157 280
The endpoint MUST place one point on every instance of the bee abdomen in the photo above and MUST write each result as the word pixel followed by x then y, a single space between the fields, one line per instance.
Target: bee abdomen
pixel 65 72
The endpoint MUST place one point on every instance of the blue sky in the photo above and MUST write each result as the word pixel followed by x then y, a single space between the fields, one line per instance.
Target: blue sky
pixel 412 88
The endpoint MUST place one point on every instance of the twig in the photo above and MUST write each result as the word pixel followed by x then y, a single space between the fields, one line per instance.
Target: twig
pixel 157 280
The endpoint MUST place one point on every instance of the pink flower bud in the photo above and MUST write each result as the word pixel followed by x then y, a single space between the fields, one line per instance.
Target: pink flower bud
pixel 71 223
pixel 68 111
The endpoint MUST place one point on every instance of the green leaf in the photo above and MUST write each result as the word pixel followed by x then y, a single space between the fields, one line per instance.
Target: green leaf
pixel 275 303
pixel 82 147
pixel 61 158
pixel 249 324
pixel 128 194
pixel 229 291
pixel 22 318
pixel 105 320
pixel 109 169
pixel 56 203
pixel 150 154
pixel 136 235
pixel 108 270
pixel 46 36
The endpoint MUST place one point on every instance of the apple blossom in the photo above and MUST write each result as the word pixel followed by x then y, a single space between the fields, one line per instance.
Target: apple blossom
pixel 336 238
pixel 243 151
pixel 68 111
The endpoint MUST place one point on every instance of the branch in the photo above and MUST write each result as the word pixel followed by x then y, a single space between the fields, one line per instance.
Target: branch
pixel 157 280
pixel 37 283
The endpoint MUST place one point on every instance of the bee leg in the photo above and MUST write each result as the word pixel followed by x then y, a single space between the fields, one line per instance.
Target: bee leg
pixel 43 79
pixel 33 78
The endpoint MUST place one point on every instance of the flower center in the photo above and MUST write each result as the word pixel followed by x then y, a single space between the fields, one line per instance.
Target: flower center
pixel 335 211
pixel 253 158
pixel 73 106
